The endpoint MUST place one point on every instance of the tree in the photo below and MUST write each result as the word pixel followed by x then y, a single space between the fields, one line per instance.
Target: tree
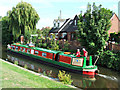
pixel 93 28
pixel 45 31
pixel 23 19
pixel 6 33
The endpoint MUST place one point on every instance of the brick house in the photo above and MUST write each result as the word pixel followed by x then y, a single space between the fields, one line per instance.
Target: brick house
pixel 115 24
pixel 67 31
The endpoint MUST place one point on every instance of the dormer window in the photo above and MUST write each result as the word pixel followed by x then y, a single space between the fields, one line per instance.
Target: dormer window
pixel 75 22
pixel 54 22
pixel 58 23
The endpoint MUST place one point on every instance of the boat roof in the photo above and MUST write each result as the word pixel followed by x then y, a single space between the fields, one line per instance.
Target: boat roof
pixel 45 50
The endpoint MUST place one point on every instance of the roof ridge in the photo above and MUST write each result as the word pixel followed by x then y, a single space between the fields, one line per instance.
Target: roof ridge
pixel 64 25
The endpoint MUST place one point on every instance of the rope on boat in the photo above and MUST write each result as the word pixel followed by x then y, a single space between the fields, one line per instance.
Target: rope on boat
pixel 96 60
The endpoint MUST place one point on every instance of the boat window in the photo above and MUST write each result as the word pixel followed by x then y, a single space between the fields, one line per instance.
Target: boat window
pixel 16 48
pixel 32 51
pixel 36 52
pixel 20 49
pixel 23 49
pixel 12 47
pixel 57 57
pixel 28 50
pixel 44 54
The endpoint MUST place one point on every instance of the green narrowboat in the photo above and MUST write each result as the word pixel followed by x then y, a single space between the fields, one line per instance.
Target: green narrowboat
pixel 57 58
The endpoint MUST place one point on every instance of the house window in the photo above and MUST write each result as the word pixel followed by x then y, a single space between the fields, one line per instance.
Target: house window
pixel 58 24
pixel 75 23
pixel 44 54
pixel 73 36
pixel 54 24
pixel 63 35
pixel 36 52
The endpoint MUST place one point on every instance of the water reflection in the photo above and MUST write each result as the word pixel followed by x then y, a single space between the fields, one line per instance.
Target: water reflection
pixel 31 66
pixel 81 81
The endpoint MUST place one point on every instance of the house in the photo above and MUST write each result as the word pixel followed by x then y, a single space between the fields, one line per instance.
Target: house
pixel 57 24
pixel 115 24
pixel 67 32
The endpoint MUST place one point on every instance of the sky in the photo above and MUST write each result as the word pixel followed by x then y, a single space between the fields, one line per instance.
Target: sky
pixel 48 10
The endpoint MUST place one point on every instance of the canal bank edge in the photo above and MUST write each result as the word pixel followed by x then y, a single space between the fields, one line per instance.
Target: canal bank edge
pixel 38 74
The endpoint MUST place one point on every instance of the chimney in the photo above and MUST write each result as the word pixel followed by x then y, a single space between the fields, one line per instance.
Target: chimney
pixel 60 15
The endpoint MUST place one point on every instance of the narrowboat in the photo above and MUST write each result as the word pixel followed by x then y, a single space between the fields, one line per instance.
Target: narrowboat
pixel 58 58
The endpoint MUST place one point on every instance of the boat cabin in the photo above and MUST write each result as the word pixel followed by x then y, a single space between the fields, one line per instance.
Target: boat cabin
pixel 58 56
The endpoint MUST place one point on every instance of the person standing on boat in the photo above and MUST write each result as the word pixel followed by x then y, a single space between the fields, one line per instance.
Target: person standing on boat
pixel 85 52
pixel 78 53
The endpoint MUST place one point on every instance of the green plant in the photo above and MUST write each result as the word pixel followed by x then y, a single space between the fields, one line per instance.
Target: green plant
pixel 93 28
pixel 22 20
pixel 65 78
pixel 110 60
pixel 66 46
pixel 44 73
pixel 16 62
pixel 25 66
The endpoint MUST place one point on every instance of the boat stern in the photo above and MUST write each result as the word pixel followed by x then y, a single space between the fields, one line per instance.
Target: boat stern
pixel 90 70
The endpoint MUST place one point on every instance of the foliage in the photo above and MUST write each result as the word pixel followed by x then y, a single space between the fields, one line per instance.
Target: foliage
pixel 25 66
pixel 115 37
pixel 16 62
pixel 93 28
pixel 23 19
pixel 65 78
pixel 110 59
pixel 45 31
pixel 6 33
pixel 66 46
pixel 44 73
pixel 54 44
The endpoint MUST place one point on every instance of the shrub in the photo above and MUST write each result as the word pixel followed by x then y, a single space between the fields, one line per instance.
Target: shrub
pixel 25 66
pixel 16 62
pixel 65 78
pixel 66 46
pixel 110 60
pixel 44 73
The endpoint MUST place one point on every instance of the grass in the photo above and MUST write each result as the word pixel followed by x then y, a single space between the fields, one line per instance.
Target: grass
pixel 14 77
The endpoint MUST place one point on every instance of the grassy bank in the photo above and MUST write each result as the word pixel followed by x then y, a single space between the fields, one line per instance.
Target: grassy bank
pixel 14 77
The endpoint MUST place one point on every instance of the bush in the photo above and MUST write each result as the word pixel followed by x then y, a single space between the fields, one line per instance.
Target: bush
pixel 16 62
pixel 25 66
pixel 110 59
pixel 66 46
pixel 65 78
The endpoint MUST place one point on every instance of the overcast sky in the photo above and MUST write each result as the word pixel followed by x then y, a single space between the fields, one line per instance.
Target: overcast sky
pixel 49 10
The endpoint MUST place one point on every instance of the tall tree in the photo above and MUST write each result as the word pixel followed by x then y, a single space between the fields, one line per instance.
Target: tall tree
pixel 23 19
pixel 93 28
pixel 6 33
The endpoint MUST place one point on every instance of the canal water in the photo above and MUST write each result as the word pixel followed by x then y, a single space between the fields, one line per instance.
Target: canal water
pixel 105 79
